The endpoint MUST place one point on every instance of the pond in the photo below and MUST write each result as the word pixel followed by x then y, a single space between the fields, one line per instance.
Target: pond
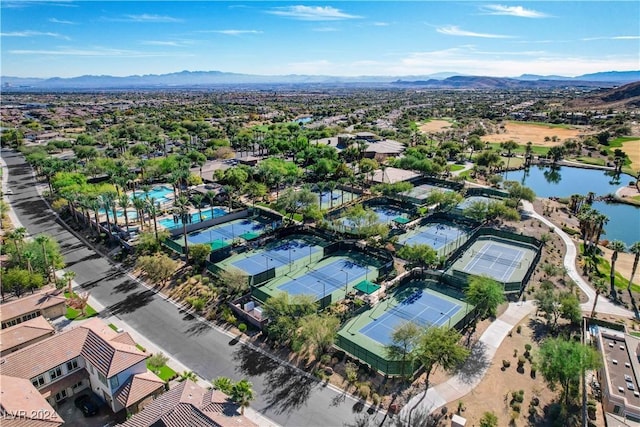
pixel 624 220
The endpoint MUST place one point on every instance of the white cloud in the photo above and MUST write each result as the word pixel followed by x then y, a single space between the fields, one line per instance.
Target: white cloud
pixel 29 33
pixel 587 39
pixel 162 43
pixel 95 52
pixel 60 21
pixel 235 32
pixel 312 13
pixel 380 24
pixel 454 30
pixel 325 29
pixel 145 17
pixel 519 11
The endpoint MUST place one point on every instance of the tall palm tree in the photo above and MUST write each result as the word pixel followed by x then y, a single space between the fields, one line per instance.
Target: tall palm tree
pixel 139 205
pixel 42 240
pixel 600 287
pixel 125 203
pixel 69 275
pixel 107 200
pixel 634 249
pixel 197 202
pixel 152 208
pixel 29 256
pixel 181 205
pixel 211 198
pixel 616 246
pixel 93 202
pixel 242 394
pixel 17 236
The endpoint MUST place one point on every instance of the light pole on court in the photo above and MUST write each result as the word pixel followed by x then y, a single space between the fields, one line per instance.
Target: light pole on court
pixel 324 292
pixel 448 319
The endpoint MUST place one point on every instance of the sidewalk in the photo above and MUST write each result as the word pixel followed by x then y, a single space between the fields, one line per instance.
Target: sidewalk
pixel 460 385
pixel 64 324
pixel 604 304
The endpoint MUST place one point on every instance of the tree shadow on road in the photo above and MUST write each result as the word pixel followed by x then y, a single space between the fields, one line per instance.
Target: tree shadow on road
pixel 475 364
pixel 125 287
pixel 286 389
pixel 132 302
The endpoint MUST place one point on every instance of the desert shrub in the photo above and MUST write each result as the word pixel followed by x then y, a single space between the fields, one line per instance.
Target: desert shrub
pixel 351 372
pixel 364 391
pixel 505 363
pixel 242 327
pixel 325 359
pixel 157 360
pixel 375 398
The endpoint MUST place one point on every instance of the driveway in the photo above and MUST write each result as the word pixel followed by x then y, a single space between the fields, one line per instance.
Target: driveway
pixel 282 393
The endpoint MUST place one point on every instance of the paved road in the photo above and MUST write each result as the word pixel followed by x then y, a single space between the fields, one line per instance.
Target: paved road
pixel 282 393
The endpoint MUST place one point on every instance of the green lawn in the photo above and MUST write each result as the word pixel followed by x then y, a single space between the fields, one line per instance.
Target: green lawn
pixel 164 372
pixel 604 267
pixel 537 150
pixel 455 167
pixel 73 314
pixel 114 327
pixel 617 142
pixel 591 160
pixel 547 125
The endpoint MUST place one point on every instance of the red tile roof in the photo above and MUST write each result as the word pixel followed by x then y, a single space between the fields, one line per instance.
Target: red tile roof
pixel 25 332
pixel 28 304
pixel 189 405
pixel 137 388
pixel 18 396
pixel 93 340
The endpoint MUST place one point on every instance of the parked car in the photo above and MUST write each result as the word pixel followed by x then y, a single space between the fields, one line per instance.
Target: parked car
pixel 87 405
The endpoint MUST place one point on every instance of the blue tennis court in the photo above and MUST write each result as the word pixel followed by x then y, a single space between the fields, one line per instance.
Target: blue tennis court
pixel 422 308
pixel 436 236
pixel 496 261
pixel 283 254
pixel 207 213
pixel 326 279
pixel 227 231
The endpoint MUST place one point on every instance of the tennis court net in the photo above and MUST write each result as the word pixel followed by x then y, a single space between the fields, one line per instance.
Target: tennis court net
pixel 496 259
pixel 407 315
pixel 329 279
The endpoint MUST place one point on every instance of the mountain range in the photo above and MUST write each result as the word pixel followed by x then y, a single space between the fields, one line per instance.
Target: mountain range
pixel 204 79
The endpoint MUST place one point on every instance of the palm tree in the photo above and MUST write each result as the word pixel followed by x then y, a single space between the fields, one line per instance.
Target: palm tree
pixel 188 375
pixel 153 209
pixel 600 287
pixel 197 201
pixel 93 203
pixel 139 205
pixel 615 246
pixel 242 394
pixel 634 249
pixel 125 203
pixel 69 276
pixel 107 200
pixel 29 256
pixel 42 240
pixel 181 205
pixel 509 146
pixel 211 198
pixel 17 236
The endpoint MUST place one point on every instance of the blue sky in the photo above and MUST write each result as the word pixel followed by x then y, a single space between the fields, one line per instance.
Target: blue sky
pixel 347 38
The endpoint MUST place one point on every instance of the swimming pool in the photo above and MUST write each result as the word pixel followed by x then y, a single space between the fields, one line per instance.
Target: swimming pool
pixel 195 217
pixel 158 193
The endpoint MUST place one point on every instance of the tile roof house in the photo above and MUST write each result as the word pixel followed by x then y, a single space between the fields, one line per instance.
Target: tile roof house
pixel 24 334
pixel 90 355
pixel 22 406
pixel 188 404
pixel 50 304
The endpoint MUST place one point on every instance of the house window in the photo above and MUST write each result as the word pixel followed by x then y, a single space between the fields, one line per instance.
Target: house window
pixel 38 381
pixel 114 382
pixel 72 365
pixel 61 395
pixel 102 378
pixel 616 409
pixel 55 373
pixel 77 385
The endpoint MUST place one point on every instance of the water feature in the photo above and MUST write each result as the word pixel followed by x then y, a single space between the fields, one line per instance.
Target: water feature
pixel 624 220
